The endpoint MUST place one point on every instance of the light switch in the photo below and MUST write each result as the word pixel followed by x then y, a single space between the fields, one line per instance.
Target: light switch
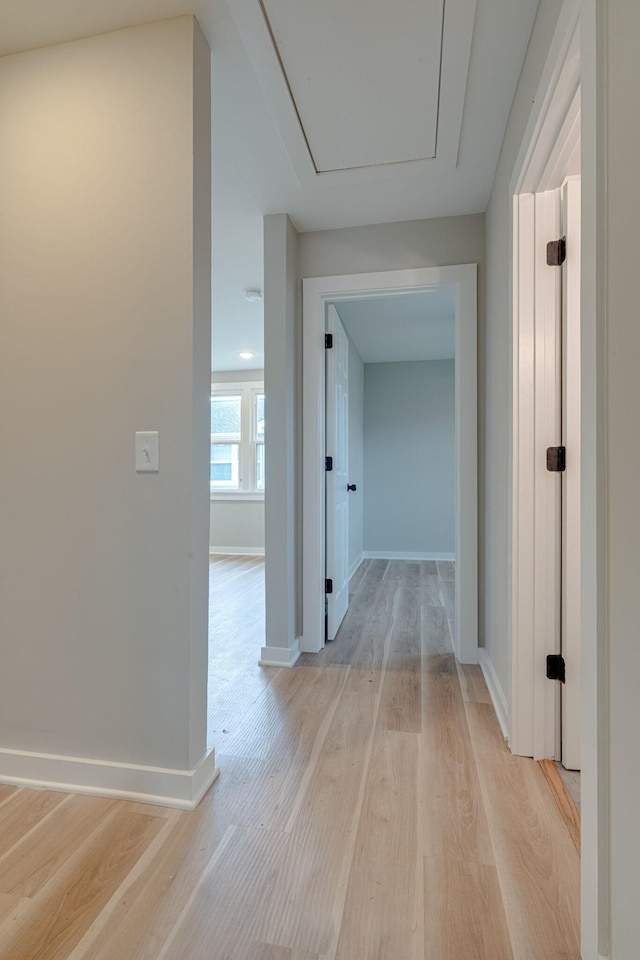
pixel 147 451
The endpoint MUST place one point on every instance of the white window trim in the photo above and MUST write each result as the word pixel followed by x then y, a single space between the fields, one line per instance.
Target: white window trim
pixel 248 390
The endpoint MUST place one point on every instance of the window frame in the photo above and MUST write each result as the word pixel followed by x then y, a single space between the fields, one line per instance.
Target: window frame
pixel 248 391
pixel 254 439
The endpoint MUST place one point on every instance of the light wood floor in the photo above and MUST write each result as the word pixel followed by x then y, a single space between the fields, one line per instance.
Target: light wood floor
pixel 367 809
pixel 236 637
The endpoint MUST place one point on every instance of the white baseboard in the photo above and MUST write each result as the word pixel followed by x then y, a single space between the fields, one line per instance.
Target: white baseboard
pixel 500 704
pixel 355 566
pixel 395 555
pixel 280 656
pixel 237 551
pixel 182 789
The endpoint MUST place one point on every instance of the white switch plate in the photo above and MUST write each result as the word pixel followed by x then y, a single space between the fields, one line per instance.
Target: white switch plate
pixel 147 451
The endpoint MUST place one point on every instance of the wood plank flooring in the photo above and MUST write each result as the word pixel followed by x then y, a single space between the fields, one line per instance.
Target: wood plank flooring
pixel 367 809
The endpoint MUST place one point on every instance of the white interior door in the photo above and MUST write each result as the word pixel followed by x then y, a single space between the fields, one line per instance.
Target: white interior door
pixel 571 633
pixel 337 479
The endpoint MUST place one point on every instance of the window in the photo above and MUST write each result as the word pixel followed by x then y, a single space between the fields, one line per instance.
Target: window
pixel 237 440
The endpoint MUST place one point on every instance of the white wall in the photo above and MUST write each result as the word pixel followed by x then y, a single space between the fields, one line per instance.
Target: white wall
pixel 356 456
pixel 495 359
pixel 105 317
pixel 409 458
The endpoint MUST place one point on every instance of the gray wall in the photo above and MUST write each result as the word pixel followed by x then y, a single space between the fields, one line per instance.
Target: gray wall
pixel 356 456
pixel 409 458
pixel 105 319
pixel 282 373
pixel 494 365
pixel 393 246
pixel 622 391
pixel 236 525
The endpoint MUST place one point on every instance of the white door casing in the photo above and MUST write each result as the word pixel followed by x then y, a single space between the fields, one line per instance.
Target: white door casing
pixel 571 386
pixel 552 136
pixel 337 496
pixel 536 493
pixel 318 292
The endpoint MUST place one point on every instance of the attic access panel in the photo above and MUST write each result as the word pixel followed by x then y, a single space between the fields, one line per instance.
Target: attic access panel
pixel 364 77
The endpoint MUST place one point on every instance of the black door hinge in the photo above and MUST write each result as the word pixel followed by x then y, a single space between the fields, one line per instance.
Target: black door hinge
pixel 328 586
pixel 556 667
pixel 556 459
pixel 328 340
pixel 557 252
pixel 328 463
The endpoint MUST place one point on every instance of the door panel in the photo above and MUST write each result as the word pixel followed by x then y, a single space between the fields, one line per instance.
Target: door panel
pixel 337 447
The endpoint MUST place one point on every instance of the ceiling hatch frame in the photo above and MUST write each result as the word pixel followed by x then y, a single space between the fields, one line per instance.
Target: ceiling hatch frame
pixel 459 16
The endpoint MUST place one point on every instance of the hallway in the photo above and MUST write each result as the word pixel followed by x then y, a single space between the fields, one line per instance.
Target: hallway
pixel 367 809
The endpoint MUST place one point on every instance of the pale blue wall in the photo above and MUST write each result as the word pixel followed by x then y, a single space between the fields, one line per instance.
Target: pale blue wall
pixel 409 457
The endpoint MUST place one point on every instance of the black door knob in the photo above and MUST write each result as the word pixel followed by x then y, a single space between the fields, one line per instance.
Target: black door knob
pixel 351 486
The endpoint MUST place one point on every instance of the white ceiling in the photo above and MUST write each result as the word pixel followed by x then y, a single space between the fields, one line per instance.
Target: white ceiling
pixel 335 59
pixel 411 326
pixel 261 158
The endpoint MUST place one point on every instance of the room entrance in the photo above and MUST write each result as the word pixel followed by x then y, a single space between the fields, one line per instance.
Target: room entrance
pixel 390 438
pixel 324 554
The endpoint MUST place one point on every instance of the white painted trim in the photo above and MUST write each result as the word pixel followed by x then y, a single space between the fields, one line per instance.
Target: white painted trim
pixel 355 565
pixel 237 551
pixel 403 555
pixel 459 18
pixel 182 789
pixel 248 443
pixel 497 694
pixel 317 293
pixel 544 513
pixel 520 607
pixel 571 745
pixel 553 106
pixel 535 495
pixel 280 656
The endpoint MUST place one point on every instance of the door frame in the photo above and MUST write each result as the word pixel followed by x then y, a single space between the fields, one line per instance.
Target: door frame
pixel 317 292
pixel 535 493
pixel 534 508
pixel 571 714
pixel 576 59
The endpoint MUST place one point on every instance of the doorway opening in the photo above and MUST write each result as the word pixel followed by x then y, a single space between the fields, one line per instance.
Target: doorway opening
pixel 236 543
pixel 319 294
pixel 390 440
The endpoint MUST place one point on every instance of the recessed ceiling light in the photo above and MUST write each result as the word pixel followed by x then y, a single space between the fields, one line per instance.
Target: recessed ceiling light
pixel 246 355
pixel 254 296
